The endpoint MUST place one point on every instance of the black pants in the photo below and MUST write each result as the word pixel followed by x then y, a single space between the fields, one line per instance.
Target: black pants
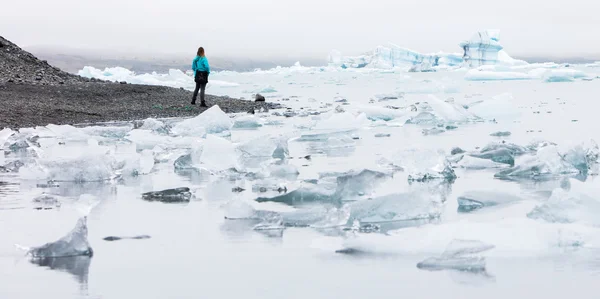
pixel 202 88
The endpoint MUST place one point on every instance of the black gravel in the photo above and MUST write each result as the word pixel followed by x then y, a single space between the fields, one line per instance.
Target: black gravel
pixel 34 93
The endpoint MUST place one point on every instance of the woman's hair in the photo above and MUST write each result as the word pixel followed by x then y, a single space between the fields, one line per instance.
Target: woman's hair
pixel 200 51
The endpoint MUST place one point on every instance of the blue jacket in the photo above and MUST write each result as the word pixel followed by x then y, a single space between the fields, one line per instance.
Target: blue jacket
pixel 200 63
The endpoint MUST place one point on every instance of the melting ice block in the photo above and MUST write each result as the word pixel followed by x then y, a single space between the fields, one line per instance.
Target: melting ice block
pixel 75 243
pixel 306 195
pixel 459 255
pixel 211 121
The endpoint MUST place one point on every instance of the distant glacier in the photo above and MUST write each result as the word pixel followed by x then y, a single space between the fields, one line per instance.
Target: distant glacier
pixel 483 48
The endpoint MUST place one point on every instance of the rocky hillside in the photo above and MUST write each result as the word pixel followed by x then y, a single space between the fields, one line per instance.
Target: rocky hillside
pixel 21 67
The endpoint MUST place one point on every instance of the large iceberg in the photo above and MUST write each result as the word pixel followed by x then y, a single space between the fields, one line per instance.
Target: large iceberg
pixel 482 49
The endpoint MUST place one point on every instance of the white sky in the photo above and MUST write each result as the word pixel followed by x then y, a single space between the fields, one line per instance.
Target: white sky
pixel 307 28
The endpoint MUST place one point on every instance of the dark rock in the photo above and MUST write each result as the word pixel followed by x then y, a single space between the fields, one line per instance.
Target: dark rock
pixel 169 195
pixel 259 98
pixel 238 189
pixel 122 82
pixel 457 150
pixel 115 238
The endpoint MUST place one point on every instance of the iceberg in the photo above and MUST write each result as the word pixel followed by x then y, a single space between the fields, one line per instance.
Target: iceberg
pixel 424 164
pixel 482 49
pixel 563 75
pixel 75 243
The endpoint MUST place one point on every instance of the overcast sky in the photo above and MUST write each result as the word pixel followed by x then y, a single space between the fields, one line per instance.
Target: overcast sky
pixel 306 28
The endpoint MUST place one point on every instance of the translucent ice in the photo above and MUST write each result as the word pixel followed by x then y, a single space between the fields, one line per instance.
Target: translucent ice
pixel 500 155
pixel 500 107
pixel 475 163
pixel 354 185
pixel 474 200
pixel 4 136
pixel 306 195
pixel 460 255
pixel 248 122
pixel 155 126
pixel 211 121
pixel 82 164
pixel 563 75
pixel 218 154
pixel 424 164
pixel 579 204
pixel 75 243
pixel 396 207
pixel 547 163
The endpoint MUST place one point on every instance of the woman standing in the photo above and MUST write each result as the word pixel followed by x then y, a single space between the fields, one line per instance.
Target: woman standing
pixel 201 71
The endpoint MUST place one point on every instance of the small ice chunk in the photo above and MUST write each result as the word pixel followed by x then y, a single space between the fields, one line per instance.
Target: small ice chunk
pixel 211 121
pixel 563 75
pixel 501 134
pixel 354 185
pixel 397 207
pixel 182 194
pixel 547 163
pixel 155 126
pixel 375 113
pixel 424 164
pixel 248 122
pixel 459 255
pixel 474 200
pixel 500 107
pixel 306 195
pixel 75 243
pixel 579 204
pixel 475 163
pixel 285 170
pixel 500 155
pixel 218 154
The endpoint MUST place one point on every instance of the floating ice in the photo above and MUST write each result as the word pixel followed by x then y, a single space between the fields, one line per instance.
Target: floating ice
pixel 459 255
pixel 285 171
pixel 306 195
pixel 424 164
pixel 354 185
pixel 499 155
pixel 475 163
pixel 500 107
pixel 138 164
pixel 375 113
pixel 339 122
pixel 211 121
pixel 579 204
pixel 46 202
pixel 248 122
pixel 546 164
pixel 563 75
pixel 83 164
pixel 218 154
pixel 75 243
pixel 474 200
pixel 486 75
pixel 182 194
pixel 396 207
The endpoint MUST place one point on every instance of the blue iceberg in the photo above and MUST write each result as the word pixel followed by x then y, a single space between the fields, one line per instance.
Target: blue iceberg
pixel 483 48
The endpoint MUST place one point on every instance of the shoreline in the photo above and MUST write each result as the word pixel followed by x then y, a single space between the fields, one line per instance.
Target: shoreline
pixel 27 105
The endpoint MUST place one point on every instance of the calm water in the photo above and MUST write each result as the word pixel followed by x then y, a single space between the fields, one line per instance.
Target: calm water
pixel 194 252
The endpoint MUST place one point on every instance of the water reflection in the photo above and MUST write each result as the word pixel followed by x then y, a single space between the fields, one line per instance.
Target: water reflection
pixel 77 266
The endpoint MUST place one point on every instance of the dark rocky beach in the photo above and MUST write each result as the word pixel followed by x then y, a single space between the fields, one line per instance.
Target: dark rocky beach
pixel 34 93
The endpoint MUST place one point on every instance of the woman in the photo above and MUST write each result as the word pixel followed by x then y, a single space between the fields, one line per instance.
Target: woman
pixel 201 71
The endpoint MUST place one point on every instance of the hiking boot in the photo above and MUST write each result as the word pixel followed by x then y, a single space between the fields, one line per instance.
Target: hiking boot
pixel 203 104
pixel 193 102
